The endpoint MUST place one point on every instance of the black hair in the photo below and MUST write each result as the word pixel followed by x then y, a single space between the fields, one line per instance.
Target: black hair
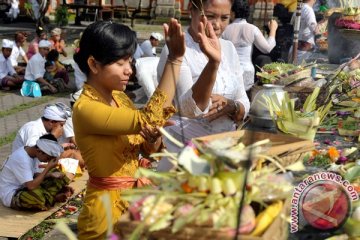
pixel 198 3
pixel 49 63
pixel 40 31
pixel 241 9
pixel 107 42
pixel 49 136
pixel 53 55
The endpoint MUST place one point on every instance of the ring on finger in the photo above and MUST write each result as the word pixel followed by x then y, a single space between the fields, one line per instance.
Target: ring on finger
pixel 218 108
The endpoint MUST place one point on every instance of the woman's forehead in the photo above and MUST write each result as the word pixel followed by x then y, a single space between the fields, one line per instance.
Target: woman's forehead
pixel 212 3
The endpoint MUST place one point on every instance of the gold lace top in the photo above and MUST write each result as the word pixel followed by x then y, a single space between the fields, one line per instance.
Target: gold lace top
pixel 108 136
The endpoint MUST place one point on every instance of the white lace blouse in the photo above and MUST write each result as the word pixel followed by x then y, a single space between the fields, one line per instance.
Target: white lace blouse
pixel 229 83
pixel 244 35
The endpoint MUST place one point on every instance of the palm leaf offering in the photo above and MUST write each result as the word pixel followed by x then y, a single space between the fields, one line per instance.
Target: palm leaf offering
pixel 210 196
pixel 284 73
pixel 301 123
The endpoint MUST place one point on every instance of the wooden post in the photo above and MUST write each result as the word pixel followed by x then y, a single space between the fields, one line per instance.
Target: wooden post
pixel 296 31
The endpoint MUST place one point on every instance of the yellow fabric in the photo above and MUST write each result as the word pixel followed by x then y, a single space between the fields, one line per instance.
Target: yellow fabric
pixel 108 140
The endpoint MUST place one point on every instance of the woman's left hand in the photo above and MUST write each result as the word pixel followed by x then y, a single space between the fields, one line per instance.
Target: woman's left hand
pixel 220 106
pixel 150 134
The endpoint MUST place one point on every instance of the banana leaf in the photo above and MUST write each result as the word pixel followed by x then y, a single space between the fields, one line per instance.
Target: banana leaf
pixel 310 103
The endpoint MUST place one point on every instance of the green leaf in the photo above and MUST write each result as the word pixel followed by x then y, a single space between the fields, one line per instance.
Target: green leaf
pixel 162 222
pixel 353 173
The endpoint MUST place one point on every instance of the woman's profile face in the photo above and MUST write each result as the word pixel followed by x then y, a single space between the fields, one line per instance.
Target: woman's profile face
pixel 218 13
pixel 115 76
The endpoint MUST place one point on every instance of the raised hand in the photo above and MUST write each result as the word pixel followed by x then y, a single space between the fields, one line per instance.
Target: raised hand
pixel 208 41
pixel 175 39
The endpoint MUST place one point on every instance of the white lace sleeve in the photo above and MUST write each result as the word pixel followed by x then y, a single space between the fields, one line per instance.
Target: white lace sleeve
pixel 264 45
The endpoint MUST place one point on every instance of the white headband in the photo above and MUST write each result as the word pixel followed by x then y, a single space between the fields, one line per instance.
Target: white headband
pixel 57 112
pixel 50 147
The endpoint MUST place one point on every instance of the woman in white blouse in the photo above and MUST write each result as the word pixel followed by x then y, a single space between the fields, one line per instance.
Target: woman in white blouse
pixel 211 97
pixel 244 35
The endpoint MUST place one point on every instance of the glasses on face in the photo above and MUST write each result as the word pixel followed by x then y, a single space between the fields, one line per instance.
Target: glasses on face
pixel 46 49
pixel 66 111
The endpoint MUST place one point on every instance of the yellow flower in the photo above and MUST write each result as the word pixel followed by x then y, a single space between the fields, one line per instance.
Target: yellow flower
pixel 333 153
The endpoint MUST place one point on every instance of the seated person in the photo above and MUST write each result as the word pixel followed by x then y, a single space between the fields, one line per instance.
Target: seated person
pixel 57 42
pixel 49 75
pixel 35 69
pixel 33 48
pixel 59 71
pixel 149 46
pixel 22 188
pixel 8 76
pixel 17 50
pixel 53 121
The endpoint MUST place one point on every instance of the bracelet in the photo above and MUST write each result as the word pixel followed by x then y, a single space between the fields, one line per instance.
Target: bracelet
pixel 174 61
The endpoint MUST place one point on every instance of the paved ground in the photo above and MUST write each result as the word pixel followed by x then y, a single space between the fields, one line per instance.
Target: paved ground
pixel 12 117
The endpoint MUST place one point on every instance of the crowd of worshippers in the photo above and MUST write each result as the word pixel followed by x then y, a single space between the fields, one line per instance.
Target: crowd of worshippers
pixel 34 177
pixel 39 64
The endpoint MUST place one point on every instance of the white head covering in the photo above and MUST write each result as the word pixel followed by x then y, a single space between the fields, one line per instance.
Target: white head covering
pixel 44 44
pixel 7 43
pixel 157 35
pixel 56 31
pixel 50 147
pixel 57 112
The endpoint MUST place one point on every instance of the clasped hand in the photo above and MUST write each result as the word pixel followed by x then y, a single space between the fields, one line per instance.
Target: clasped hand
pixel 220 106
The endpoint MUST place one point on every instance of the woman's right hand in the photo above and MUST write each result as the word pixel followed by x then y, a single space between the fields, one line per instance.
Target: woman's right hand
pixel 175 39
pixel 208 41
pixel 273 25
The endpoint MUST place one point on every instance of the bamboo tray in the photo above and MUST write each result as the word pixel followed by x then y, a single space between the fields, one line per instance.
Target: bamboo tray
pixel 288 148
pixel 278 230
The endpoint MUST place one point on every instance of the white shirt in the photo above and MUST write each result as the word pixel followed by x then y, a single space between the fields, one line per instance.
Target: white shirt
pixel 18 169
pixel 148 49
pixel 28 134
pixel 229 83
pixel 80 77
pixel 35 68
pixel 68 131
pixel 138 53
pixel 5 67
pixel 15 53
pixel 307 24
pixel 243 35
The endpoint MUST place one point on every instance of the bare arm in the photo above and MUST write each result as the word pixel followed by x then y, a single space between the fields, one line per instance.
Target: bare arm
pixel 210 46
pixel 31 185
pixel 175 41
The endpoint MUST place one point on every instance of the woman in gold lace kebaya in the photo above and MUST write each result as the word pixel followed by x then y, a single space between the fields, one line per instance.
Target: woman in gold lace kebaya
pixel 110 131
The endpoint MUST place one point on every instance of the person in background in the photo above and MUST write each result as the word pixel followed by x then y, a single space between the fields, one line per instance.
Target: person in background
pixel 211 94
pixel 244 36
pixel 23 188
pixel 109 130
pixel 59 71
pixel 35 68
pixel 17 50
pixel 49 75
pixel 33 48
pixel 148 47
pixel 52 121
pixel 307 32
pixel 57 42
pixel 13 11
pixel 8 76
pixel 35 9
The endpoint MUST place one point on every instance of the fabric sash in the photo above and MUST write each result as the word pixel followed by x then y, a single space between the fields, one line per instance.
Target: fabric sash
pixel 115 183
